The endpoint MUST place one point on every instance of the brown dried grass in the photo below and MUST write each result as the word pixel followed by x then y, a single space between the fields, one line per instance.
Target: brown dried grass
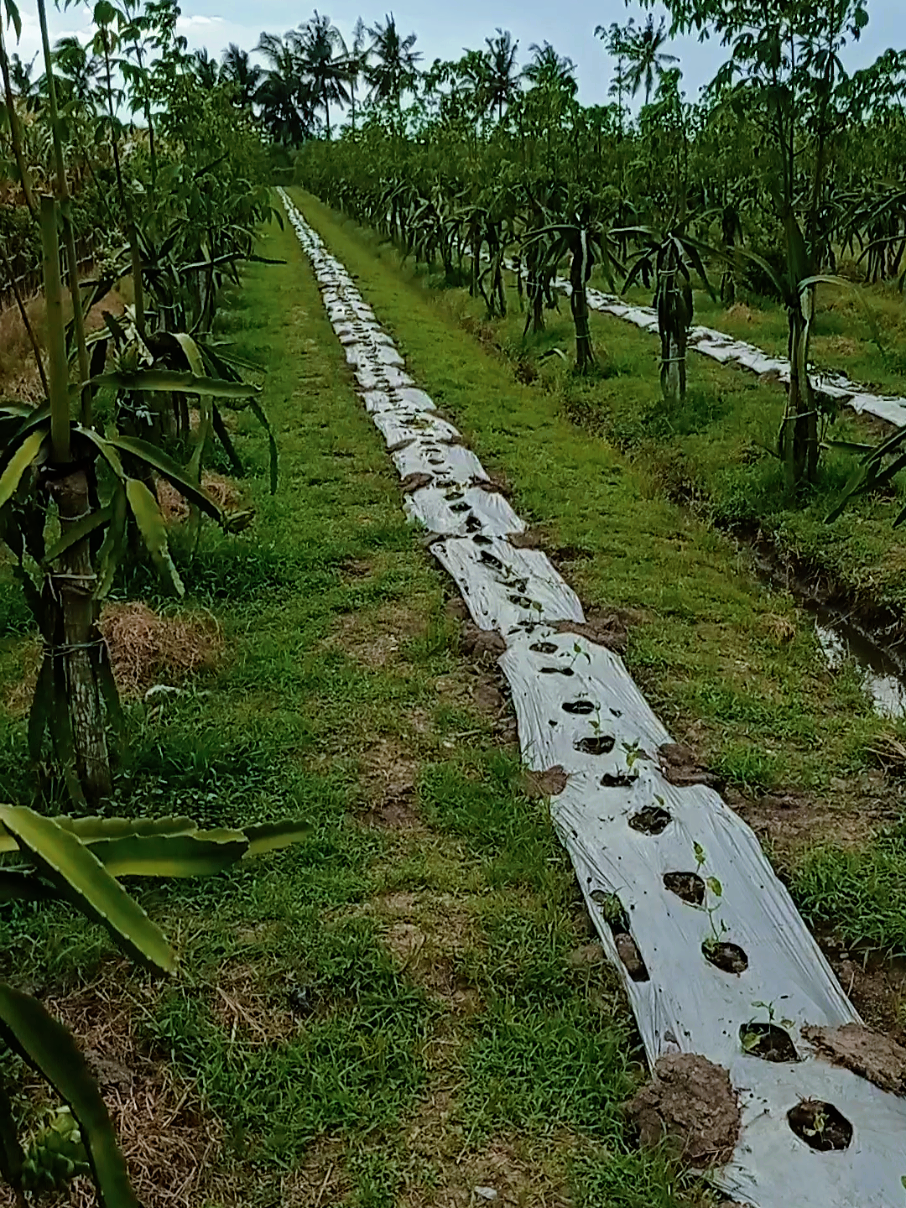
pixel 145 646
pixel 169 1138
pixel 741 311
pixel 18 373
pixel 144 649
pixel 175 507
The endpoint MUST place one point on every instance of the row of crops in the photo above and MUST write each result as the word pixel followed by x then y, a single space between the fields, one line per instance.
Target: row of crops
pixel 781 175
pixel 165 211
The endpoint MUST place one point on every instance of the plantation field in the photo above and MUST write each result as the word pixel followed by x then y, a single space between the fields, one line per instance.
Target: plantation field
pixel 452 727
pixel 410 1004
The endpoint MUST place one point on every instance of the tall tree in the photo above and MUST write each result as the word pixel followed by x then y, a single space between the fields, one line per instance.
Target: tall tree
pixel 550 70
pixel 616 39
pixel 395 69
pixel 206 68
pixel 785 73
pixel 322 60
pixel 357 54
pixel 244 75
pixel 503 76
pixel 646 58
pixel 283 96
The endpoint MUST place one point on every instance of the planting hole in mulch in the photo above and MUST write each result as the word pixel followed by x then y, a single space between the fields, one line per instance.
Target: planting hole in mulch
pixel 459 507
pixel 595 744
pixel 689 1103
pixel 652 820
pixel 581 707
pixel 618 921
pixel 618 780
pixel 491 560
pixel 768 1041
pixel 481 539
pixel 520 601
pixel 729 958
pixel 543 648
pixel 820 1125
pixel 557 670
pixel 686 885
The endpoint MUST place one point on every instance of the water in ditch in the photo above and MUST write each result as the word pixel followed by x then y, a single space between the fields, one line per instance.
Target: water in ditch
pixel 883 675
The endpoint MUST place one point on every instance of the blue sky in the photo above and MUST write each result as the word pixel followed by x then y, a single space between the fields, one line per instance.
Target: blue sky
pixel 445 28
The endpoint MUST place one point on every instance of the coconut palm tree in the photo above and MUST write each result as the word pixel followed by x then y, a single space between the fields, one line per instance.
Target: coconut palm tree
pixel 646 58
pixel 283 95
pixel 503 78
pixel 357 61
pixel 396 68
pixel 243 74
pixel 550 70
pixel 322 60
pixel 206 68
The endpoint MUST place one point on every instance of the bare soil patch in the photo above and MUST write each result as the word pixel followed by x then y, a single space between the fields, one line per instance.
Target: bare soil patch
pixel 690 1103
pixel 850 816
pixel 249 1008
pixel 501 1173
pixel 875 1057
pixel 374 638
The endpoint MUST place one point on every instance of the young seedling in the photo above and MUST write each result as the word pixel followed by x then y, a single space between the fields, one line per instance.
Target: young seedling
pixel 633 751
pixel 576 652
pixel 716 890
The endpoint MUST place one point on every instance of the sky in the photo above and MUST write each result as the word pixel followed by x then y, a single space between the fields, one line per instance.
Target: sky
pixel 444 29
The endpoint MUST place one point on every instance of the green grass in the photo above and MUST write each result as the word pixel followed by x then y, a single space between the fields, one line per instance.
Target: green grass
pixel 373 1015
pixel 634 503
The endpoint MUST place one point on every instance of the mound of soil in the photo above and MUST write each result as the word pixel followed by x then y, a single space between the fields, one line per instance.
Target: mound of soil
pixel 870 1054
pixel 691 1103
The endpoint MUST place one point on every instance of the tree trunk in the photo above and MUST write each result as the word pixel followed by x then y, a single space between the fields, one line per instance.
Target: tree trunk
pixel 78 641
pixel 578 303
pixel 799 434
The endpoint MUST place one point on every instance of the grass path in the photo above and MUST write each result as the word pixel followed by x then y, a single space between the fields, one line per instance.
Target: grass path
pixel 731 666
pixel 409 1005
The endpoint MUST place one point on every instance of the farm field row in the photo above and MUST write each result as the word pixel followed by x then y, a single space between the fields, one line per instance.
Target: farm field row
pixel 690 982
pixel 409 1005
pixel 729 662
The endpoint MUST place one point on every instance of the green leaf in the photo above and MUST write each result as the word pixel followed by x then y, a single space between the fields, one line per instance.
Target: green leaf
pixel 51 1050
pixel 81 878
pixel 114 543
pixel 158 460
pixel 198 854
pixel 18 464
pixel 167 380
pixel 699 851
pixel 715 886
pixel 256 407
pixel 12 15
pixel 148 517
pixel 269 836
pixel 90 829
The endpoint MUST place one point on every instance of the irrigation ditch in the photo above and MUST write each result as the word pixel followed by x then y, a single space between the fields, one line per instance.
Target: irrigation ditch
pixel 685 904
